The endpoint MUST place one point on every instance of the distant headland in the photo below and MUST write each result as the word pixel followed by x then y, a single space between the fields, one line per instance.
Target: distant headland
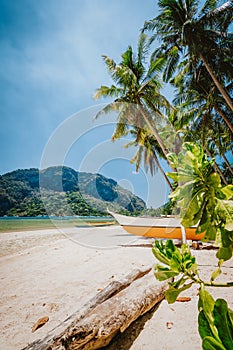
pixel 61 191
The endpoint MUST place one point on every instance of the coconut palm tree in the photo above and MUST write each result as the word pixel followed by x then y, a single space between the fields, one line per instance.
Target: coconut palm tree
pixel 197 110
pixel 200 35
pixel 147 150
pixel 199 101
pixel 136 93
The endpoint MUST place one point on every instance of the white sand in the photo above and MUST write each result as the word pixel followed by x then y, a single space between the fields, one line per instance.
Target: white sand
pixel 49 273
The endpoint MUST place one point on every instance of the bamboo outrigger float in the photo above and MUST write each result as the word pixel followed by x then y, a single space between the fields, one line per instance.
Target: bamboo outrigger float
pixel 168 227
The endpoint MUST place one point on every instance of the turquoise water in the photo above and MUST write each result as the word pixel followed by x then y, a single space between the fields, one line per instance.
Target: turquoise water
pixel 11 223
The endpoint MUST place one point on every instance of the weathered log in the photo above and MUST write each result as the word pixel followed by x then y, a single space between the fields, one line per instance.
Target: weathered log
pixel 110 290
pixel 113 316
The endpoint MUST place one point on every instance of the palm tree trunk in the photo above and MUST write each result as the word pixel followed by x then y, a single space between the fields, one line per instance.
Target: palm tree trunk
pixel 155 132
pixel 217 83
pixel 216 167
pixel 163 172
pixel 158 139
pixel 228 123
pixel 227 163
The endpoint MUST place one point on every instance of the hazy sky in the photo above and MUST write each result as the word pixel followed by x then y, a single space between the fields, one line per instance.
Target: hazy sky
pixel 50 59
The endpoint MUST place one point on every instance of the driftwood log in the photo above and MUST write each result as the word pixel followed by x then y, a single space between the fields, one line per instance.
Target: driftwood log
pixel 111 311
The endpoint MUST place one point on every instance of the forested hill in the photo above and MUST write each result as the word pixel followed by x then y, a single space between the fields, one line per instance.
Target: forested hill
pixel 63 191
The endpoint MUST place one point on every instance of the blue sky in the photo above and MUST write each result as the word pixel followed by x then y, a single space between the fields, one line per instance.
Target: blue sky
pixel 50 67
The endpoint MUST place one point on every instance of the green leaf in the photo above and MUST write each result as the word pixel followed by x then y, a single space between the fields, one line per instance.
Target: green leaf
pixel 170 248
pixel 192 212
pixel 230 315
pixel 173 176
pixel 227 237
pixel 176 261
pixel 228 191
pixel 215 274
pixel 189 261
pixel 203 325
pixel 172 293
pixel 163 273
pixel 172 157
pixel 204 223
pixel 160 257
pixel 223 323
pixel 210 234
pixel 210 343
pixel 207 305
pixel 224 253
pixel 207 301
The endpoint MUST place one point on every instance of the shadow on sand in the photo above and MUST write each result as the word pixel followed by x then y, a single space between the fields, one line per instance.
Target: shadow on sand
pixel 124 341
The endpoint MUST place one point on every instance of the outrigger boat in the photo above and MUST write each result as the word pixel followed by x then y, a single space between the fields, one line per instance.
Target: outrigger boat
pixel 168 227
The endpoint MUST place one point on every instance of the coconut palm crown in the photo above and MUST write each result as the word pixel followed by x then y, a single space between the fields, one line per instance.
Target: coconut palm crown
pixel 136 93
pixel 185 31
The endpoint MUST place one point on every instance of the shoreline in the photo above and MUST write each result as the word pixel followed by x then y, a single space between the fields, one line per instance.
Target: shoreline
pixel 24 224
pixel 53 274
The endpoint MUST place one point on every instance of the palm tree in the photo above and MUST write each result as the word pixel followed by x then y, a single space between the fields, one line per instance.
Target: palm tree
pixel 198 99
pixel 137 98
pixel 197 112
pixel 147 149
pixel 202 35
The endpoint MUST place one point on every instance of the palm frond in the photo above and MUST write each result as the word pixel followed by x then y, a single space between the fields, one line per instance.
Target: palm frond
pixel 142 47
pixel 105 91
pixel 110 63
pixel 109 108
pixel 209 5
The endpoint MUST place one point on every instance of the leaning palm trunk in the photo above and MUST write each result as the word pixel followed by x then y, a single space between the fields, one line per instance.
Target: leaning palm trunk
pixel 158 138
pixel 163 172
pixel 226 120
pixel 155 133
pixel 216 167
pixel 220 88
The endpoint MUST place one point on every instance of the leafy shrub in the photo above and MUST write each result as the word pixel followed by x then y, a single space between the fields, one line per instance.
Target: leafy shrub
pixel 205 202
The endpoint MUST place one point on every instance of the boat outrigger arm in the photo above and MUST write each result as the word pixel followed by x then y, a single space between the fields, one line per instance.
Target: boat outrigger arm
pixel 168 227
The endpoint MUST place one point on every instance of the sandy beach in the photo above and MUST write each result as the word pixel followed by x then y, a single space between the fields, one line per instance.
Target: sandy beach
pixel 54 272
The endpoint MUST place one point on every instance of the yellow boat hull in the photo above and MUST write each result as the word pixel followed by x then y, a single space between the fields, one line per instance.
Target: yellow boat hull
pixel 162 232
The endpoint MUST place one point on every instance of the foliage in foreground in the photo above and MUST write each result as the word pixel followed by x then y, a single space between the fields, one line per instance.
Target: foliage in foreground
pixel 215 319
pixel 203 201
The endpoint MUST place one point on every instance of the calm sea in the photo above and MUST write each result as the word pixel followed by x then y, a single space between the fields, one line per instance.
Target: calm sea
pixel 12 223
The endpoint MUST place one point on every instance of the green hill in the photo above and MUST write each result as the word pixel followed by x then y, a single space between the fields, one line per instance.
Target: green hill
pixel 63 191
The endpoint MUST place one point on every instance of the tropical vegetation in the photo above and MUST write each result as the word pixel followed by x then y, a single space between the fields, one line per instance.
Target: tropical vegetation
pixel 199 111
pixel 204 202
pixel 138 101
pixel 193 134
pixel 197 37
pixel 61 191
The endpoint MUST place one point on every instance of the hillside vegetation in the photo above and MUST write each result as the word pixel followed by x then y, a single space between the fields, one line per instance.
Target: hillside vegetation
pixel 63 191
